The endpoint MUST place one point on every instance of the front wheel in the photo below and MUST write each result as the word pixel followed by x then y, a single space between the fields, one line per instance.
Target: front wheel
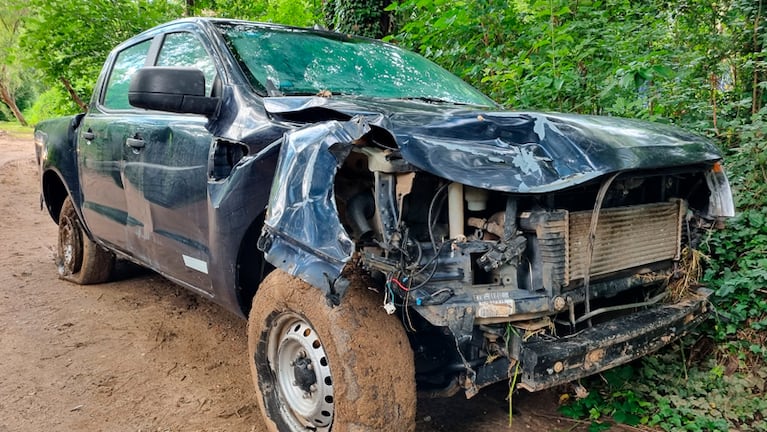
pixel 323 368
pixel 78 258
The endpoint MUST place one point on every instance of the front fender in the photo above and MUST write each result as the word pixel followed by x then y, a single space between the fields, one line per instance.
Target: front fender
pixel 303 234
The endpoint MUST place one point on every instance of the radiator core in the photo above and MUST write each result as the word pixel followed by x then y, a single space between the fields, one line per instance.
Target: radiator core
pixel 626 237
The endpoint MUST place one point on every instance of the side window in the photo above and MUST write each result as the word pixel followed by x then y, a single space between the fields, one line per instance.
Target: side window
pixel 185 50
pixel 127 63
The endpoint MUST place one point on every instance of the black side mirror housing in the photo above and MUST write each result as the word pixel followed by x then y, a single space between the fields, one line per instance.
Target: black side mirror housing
pixel 173 89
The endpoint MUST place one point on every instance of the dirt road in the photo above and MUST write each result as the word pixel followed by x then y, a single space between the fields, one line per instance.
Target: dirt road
pixel 141 354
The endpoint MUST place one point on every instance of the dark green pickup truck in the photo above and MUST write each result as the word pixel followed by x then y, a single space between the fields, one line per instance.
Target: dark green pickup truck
pixel 384 227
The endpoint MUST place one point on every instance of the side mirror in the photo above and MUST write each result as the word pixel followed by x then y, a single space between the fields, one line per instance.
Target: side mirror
pixel 173 89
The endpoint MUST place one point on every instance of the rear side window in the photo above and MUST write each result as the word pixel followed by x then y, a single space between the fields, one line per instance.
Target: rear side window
pixel 127 63
pixel 184 50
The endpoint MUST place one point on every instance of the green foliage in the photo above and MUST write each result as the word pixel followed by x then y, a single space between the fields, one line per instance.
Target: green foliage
pixel 738 273
pixel 747 158
pixel 467 38
pixel 361 17
pixel 68 40
pixel 251 10
pixel 660 391
pixel 616 398
pixel 15 83
pixel 54 102
pixel 303 13
pixel 615 57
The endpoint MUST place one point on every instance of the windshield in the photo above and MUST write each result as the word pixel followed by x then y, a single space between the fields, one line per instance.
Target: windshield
pixel 302 62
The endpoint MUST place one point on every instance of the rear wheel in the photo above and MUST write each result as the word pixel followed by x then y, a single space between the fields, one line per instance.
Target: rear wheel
pixel 348 367
pixel 79 259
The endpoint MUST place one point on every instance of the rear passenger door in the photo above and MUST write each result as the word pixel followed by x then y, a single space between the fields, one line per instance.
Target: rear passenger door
pixel 101 144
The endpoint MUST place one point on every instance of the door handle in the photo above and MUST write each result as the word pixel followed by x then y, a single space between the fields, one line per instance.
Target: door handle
pixel 89 135
pixel 136 143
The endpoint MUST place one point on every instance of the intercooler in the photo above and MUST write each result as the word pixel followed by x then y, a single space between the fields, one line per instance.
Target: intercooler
pixel 626 237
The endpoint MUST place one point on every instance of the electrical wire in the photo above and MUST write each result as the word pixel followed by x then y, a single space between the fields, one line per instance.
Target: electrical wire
pixel 418 258
pixel 412 268
pixel 429 223
pixel 432 259
pixel 440 291
pixel 406 312
pixel 428 278
pixel 400 285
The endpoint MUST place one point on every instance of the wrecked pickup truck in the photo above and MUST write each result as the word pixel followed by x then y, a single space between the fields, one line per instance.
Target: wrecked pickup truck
pixel 384 226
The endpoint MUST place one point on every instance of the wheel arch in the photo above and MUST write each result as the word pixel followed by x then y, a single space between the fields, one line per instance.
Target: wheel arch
pixel 54 192
pixel 251 267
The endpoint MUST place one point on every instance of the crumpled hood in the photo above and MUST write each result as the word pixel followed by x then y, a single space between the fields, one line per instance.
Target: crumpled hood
pixel 522 152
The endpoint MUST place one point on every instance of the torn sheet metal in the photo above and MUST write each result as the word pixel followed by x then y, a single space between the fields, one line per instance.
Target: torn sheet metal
pixel 518 152
pixel 302 233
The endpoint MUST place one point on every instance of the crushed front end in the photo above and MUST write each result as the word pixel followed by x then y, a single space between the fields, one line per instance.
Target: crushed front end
pixel 552 281
pixel 534 280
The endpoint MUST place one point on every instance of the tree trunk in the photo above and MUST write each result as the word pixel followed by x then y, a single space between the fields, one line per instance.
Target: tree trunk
pixel 8 99
pixel 73 94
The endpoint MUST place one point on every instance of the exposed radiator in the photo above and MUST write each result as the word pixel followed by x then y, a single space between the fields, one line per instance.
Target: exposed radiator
pixel 626 237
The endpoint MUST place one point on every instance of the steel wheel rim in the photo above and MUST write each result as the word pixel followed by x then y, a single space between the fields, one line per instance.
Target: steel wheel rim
pixel 70 246
pixel 303 382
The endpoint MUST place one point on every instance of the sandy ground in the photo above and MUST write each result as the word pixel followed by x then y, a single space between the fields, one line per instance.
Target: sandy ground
pixel 142 354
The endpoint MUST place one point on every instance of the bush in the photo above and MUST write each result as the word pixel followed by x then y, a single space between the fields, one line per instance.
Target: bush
pixel 660 391
pixel 738 273
pixel 54 102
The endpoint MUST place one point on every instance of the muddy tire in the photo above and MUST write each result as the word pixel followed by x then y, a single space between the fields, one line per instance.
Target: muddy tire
pixel 346 368
pixel 78 258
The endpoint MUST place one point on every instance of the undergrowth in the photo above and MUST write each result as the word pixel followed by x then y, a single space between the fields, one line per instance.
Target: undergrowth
pixel 662 392
pixel 738 274
pixel 737 256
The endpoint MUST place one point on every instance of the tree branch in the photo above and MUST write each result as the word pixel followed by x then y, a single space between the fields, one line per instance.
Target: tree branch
pixel 7 97
pixel 73 94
